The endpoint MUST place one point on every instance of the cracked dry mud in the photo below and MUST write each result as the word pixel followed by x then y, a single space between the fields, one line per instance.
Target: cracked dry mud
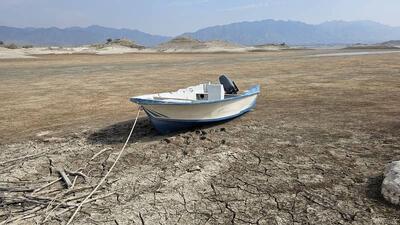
pixel 312 152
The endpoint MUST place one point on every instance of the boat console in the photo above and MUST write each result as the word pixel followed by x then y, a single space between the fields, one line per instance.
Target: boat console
pixel 199 93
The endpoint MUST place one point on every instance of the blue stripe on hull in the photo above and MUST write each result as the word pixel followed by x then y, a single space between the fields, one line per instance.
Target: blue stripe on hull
pixel 165 126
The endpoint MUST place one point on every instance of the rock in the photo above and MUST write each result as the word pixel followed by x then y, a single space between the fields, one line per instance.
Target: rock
pixel 43 133
pixel 166 140
pixel 193 169
pixel 391 183
pixel 53 139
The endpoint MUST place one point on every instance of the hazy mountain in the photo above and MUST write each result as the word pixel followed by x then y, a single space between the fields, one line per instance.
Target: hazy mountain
pixel 392 43
pixel 247 33
pixel 292 32
pixel 75 35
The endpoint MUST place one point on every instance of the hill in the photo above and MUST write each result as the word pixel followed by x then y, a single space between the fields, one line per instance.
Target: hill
pixel 187 44
pixel 392 43
pixel 75 36
pixel 299 33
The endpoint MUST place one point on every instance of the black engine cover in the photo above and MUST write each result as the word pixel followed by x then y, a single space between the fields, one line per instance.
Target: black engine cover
pixel 229 85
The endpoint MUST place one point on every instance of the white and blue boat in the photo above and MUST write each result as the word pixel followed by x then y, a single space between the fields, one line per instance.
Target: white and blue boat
pixel 197 105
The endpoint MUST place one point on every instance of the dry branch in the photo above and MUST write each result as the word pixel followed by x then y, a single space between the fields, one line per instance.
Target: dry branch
pixel 74 182
pixel 85 202
pixel 22 157
pixel 16 189
pixel 46 185
pixel 77 173
pixel 65 178
pixel 100 152
pixel 26 215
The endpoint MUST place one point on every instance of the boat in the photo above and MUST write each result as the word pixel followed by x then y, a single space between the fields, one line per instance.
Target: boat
pixel 197 105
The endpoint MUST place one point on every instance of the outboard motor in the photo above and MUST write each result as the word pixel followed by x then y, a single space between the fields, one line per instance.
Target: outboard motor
pixel 229 86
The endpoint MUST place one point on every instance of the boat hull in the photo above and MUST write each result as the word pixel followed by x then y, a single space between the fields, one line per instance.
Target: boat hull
pixel 167 125
pixel 168 118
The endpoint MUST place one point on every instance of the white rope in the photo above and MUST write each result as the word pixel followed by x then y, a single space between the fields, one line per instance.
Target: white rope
pixel 109 171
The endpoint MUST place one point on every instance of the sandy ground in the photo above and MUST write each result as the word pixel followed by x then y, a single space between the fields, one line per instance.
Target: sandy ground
pixel 22 53
pixel 312 152
pixel 353 53
pixel 204 47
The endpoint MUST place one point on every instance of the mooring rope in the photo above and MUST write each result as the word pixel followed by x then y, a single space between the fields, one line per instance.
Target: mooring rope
pixel 109 171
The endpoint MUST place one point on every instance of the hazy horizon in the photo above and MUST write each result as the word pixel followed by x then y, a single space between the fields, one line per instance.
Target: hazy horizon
pixel 86 26
pixel 175 17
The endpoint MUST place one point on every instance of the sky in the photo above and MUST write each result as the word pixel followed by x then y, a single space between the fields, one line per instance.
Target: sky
pixel 174 17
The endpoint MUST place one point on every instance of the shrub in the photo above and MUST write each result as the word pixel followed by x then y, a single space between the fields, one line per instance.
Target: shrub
pixel 109 40
pixel 11 46
pixel 98 46
pixel 1 43
pixel 27 46
pixel 127 43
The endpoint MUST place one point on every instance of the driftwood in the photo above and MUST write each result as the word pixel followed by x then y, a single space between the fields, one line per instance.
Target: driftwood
pixel 74 182
pixel 100 152
pixel 40 199
pixel 33 200
pixel 30 213
pixel 65 177
pixel 46 185
pixel 48 214
pixel 51 191
pixel 43 202
pixel 51 202
pixel 16 189
pixel 22 157
pixel 77 173
pixel 85 202
pixel 28 189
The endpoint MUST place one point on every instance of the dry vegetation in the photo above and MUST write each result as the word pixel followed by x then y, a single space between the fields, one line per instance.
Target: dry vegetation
pixel 118 42
pixel 312 152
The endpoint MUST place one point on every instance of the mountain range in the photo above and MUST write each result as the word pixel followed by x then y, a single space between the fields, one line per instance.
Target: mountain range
pixel 74 36
pixel 246 33
pixel 299 33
